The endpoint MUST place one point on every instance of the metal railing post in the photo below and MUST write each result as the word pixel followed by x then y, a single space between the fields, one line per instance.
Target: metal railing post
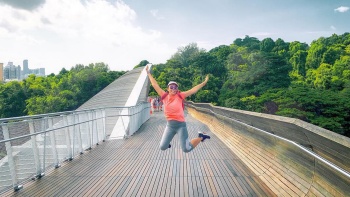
pixel 131 121
pixel 43 126
pixel 89 129
pixel 104 123
pixel 95 126
pixel 79 135
pixel 39 173
pixel 73 136
pixel 127 126
pixel 53 143
pixel 68 140
pixel 122 120
pixel 11 161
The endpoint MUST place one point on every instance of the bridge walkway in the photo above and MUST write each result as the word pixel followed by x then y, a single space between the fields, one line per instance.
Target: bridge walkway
pixel 137 167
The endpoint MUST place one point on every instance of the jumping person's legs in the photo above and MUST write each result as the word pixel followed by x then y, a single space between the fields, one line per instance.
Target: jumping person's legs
pixel 168 135
pixel 174 127
pixel 186 144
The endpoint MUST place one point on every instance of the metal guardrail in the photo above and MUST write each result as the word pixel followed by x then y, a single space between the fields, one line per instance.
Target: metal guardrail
pixel 31 145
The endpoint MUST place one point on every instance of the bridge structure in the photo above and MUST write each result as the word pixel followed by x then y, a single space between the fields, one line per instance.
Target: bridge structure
pixel 110 147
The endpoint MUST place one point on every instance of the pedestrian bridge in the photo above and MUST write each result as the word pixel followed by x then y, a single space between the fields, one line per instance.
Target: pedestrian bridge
pixel 110 147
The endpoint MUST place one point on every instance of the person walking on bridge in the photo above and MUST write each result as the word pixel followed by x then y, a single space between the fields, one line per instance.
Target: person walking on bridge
pixel 174 113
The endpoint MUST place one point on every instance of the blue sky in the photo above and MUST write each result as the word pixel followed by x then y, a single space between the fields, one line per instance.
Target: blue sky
pixel 62 33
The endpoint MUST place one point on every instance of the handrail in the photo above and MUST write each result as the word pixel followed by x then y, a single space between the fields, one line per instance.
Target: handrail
pixel 58 114
pixel 57 137
pixel 4 120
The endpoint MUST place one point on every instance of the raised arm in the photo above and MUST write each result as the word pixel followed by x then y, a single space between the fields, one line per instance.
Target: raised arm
pixel 154 83
pixel 197 87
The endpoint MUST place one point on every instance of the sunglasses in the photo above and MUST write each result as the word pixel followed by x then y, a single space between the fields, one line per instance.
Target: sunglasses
pixel 173 87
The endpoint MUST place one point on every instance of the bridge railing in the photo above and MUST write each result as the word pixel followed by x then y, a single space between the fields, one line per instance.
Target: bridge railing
pixel 286 154
pixel 31 145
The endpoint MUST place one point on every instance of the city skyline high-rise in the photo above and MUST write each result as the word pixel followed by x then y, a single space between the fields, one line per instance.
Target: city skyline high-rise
pixel 27 71
pixel 12 72
pixel 25 67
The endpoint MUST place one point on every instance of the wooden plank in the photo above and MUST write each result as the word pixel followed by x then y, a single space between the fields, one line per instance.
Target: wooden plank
pixel 231 186
pixel 137 186
pixel 223 188
pixel 160 186
pixel 246 185
pixel 198 186
pixel 212 186
pixel 121 188
pixel 131 186
pixel 115 183
pixel 100 190
pixel 142 189
pixel 208 186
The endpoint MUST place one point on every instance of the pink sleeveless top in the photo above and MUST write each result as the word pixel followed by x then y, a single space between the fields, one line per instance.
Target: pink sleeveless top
pixel 173 107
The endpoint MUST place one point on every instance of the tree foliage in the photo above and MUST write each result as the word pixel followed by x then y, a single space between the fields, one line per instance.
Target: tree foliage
pixel 296 80
pixel 64 91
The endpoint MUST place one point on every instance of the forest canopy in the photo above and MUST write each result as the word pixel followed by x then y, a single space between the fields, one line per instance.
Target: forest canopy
pixel 292 79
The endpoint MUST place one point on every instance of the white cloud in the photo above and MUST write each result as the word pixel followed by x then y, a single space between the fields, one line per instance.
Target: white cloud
pixel 62 33
pixel 155 14
pixel 342 9
pixel 261 34
pixel 333 28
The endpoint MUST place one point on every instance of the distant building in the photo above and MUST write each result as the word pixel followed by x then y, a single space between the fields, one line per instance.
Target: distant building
pixel 1 72
pixel 25 68
pixel 27 71
pixel 12 72
pixel 42 71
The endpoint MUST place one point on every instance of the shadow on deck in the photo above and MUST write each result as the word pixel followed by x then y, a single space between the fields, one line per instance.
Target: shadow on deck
pixel 137 167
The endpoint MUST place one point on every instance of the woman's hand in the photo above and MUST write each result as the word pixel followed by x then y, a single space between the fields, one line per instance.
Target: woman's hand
pixel 197 87
pixel 206 78
pixel 147 70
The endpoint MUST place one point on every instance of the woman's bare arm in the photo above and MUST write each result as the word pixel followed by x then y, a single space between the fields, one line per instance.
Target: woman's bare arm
pixel 154 83
pixel 197 87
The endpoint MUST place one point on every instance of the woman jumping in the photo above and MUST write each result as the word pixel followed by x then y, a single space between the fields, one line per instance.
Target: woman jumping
pixel 174 114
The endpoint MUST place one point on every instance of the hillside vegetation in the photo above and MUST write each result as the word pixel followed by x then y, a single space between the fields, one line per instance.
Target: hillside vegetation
pixel 308 82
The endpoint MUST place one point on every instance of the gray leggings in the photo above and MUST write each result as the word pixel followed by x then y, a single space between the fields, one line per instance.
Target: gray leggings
pixel 171 129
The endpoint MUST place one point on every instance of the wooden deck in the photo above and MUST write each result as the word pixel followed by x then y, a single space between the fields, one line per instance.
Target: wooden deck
pixel 137 167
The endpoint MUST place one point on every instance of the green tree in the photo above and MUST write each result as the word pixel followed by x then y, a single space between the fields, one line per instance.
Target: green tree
pixel 296 46
pixel 251 43
pixel 221 52
pixel 298 61
pixel 266 45
pixel 12 99
pixel 208 63
pixel 142 63
pixel 185 55
pixel 332 54
pixel 315 54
